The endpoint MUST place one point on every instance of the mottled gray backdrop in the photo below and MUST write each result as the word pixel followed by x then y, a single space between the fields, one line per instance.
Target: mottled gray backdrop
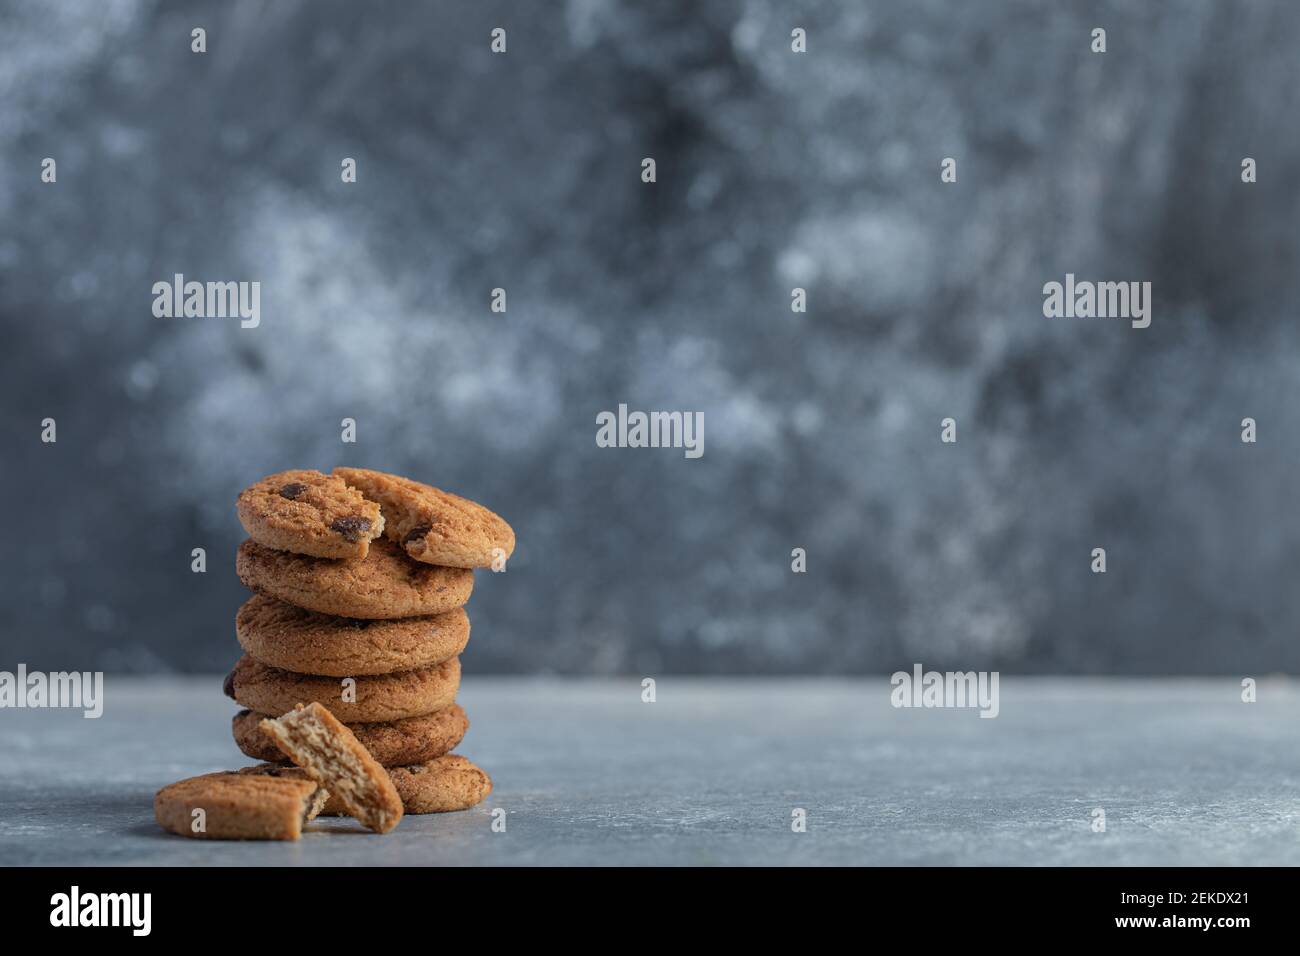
pixel 775 170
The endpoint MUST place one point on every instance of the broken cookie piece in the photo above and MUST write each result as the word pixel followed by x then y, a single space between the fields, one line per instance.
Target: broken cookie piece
pixel 330 753
pixel 239 805
pixel 432 525
pixel 319 799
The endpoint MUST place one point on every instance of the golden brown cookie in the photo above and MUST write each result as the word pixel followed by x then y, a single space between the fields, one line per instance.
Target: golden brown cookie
pixel 296 639
pixel 270 690
pixel 434 526
pixel 385 584
pixel 238 806
pixel 307 512
pixel 441 785
pixel 394 744
pixel 314 739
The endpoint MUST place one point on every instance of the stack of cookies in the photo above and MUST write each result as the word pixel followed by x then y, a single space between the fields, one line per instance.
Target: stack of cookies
pixel 360 581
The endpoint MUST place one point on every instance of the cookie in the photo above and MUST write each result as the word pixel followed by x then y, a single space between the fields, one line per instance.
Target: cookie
pixel 295 639
pixel 307 512
pixel 270 690
pixel 434 526
pixel 441 785
pixel 239 806
pixel 286 770
pixel 394 744
pixel 384 584
pixel 314 739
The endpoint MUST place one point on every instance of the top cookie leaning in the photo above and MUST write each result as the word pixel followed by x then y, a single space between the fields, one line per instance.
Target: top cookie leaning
pixel 337 516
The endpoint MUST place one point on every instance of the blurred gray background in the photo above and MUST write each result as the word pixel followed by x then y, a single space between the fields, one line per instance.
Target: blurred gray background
pixel 775 170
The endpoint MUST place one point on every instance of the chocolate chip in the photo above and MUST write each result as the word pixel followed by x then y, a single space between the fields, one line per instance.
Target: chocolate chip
pixel 351 527
pixel 292 491
pixel 416 533
pixel 228 686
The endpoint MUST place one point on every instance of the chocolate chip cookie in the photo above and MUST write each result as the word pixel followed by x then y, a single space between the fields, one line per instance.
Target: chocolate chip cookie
pixel 314 739
pixel 384 697
pixel 295 639
pixel 441 785
pixel 239 806
pixel 384 584
pixel 395 743
pixel 432 525
pixel 307 512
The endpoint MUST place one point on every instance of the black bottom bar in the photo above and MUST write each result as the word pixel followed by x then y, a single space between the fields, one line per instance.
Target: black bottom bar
pixel 321 904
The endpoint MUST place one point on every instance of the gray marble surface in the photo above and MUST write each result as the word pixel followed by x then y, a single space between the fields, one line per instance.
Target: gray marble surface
pixel 708 774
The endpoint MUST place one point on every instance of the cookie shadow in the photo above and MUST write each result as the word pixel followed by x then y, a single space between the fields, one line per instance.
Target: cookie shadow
pixel 152 831
pixel 343 827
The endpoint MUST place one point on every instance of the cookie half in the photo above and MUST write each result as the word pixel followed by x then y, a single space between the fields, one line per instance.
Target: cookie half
pixel 295 639
pixel 384 584
pixel 383 697
pixel 307 512
pixel 238 806
pixel 314 739
pixel 397 743
pixel 441 785
pixel 432 525
pixel 290 772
